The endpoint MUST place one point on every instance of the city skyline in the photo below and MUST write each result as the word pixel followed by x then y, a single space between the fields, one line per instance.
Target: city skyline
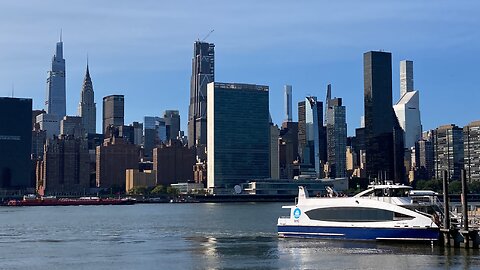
pixel 143 57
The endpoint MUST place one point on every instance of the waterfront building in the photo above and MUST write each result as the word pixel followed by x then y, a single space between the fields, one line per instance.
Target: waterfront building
pixel 56 87
pixel 407 108
pixel 113 111
pixel 135 178
pixel 172 124
pixel 87 109
pixel 173 163
pixel 73 126
pixel 336 137
pixel 188 187
pixel 65 168
pixel 424 160
pixel 203 72
pixel 238 134
pixel 383 134
pixel 113 158
pixel 274 157
pixel 288 103
pixel 448 151
pixel 311 134
pixel 15 142
pixel 471 142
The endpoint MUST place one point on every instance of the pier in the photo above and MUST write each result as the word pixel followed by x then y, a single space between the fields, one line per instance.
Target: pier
pixel 460 229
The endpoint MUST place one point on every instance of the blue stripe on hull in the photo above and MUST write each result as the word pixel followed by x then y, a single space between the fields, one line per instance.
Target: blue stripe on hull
pixel 418 234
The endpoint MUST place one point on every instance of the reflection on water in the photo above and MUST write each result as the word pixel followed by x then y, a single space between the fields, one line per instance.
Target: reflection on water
pixel 192 236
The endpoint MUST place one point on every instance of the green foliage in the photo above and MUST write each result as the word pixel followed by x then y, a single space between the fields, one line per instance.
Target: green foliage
pixel 173 191
pixel 455 187
pixel 160 189
pixel 434 184
pixel 474 187
pixel 141 190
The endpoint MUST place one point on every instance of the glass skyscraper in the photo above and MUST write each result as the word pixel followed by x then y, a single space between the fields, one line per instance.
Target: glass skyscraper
pixel 113 111
pixel 238 134
pixel 384 136
pixel 15 143
pixel 203 66
pixel 56 92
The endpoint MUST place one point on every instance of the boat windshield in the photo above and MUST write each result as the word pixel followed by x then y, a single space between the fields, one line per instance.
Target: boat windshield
pixel 388 192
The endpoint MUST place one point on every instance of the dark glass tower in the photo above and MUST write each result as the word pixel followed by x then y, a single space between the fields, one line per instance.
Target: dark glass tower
pixel 311 133
pixel 203 64
pixel 113 111
pixel 384 138
pixel 15 142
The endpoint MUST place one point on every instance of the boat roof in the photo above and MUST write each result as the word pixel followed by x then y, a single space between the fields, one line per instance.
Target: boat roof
pixel 383 186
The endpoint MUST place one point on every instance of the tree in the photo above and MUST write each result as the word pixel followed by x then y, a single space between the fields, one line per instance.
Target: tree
pixel 455 187
pixel 173 191
pixel 474 187
pixel 141 190
pixel 160 189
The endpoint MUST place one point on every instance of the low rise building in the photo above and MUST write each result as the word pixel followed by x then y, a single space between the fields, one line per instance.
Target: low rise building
pixel 135 178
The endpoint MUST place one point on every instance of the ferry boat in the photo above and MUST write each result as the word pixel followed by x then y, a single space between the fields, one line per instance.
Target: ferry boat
pixel 382 212
pixel 33 200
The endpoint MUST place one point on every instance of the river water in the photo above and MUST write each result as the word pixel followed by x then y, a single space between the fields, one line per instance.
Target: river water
pixel 192 236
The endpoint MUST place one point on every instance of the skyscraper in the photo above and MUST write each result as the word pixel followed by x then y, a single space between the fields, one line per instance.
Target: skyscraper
pixel 311 133
pixel 155 132
pixel 203 64
pixel 56 93
pixel 384 137
pixel 406 77
pixel 448 151
pixel 238 134
pixel 407 108
pixel 113 111
pixel 471 142
pixel 336 137
pixel 288 103
pixel 113 158
pixel 65 167
pixel 87 107
pixel 172 123
pixel 15 142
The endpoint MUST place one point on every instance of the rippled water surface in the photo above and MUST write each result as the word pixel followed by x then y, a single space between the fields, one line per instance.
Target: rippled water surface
pixel 192 236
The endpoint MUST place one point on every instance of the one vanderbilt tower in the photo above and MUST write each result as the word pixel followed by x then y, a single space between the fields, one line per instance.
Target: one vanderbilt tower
pixel 56 100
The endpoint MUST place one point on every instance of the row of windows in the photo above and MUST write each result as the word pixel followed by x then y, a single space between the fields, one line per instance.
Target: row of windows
pixel 355 214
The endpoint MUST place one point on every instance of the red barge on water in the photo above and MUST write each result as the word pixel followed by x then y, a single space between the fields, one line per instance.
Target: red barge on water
pixel 32 200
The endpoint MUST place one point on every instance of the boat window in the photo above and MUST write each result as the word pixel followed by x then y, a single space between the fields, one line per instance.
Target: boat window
pixel 400 192
pixel 350 214
pixel 400 216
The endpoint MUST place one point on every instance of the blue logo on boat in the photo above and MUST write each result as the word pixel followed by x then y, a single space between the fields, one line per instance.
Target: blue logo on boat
pixel 296 213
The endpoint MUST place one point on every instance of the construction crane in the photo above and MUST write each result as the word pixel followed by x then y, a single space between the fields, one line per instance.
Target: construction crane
pixel 209 33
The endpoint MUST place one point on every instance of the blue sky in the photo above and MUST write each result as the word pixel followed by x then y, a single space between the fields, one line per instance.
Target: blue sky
pixel 143 49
